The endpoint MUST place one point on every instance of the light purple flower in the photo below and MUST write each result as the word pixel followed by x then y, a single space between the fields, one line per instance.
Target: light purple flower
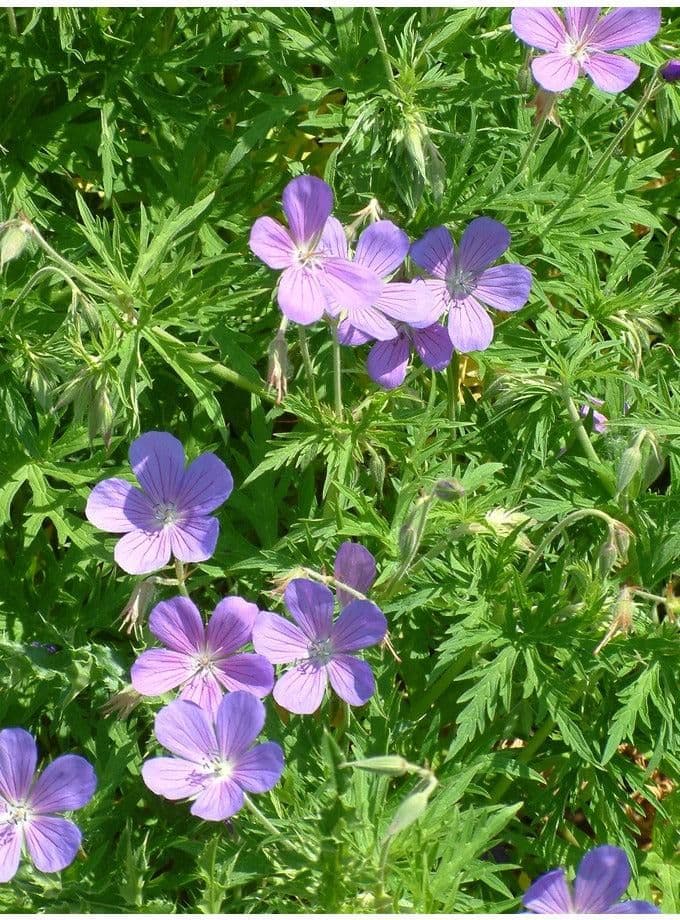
pixel 388 361
pixel 355 567
pixel 214 762
pixel 582 44
pixel 202 661
pixel 600 420
pixel 170 515
pixel 312 274
pixel 321 649
pixel 671 70
pixel 464 281
pixel 601 878
pixel 29 806
pixel 381 249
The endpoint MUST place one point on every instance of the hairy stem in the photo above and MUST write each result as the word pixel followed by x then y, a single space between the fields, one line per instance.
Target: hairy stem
pixel 337 375
pixel 307 361
pixel 181 578
pixel 382 48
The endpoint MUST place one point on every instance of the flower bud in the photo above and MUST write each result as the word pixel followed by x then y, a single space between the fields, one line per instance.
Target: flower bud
pixel 412 530
pixel 449 490
pixel 622 621
pixel 629 465
pixel 609 553
pixel 389 765
pixel 671 70
pixel 100 415
pixel 545 104
pixel 13 243
pixel 123 703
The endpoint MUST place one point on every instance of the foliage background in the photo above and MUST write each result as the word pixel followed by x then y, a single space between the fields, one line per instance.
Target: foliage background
pixel 142 143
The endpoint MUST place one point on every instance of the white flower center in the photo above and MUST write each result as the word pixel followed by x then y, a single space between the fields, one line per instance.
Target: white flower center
pixel 166 513
pixel 308 256
pixel 221 769
pixel 321 652
pixel 461 283
pixel 17 813
pixel 205 662
pixel 576 48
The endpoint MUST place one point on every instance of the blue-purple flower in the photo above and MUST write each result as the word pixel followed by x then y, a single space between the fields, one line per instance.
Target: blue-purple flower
pixel 320 650
pixel 387 362
pixel 171 514
pixel 601 879
pixel 30 806
pixel 354 566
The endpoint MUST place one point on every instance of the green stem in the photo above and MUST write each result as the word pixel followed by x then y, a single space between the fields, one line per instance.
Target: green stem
pixel 307 361
pixel 528 752
pixel 263 819
pixel 337 375
pixel 538 127
pixel 452 375
pixel 181 578
pixel 558 528
pixel 382 48
pixel 579 428
pixel 655 598
pixel 443 683
pixel 12 22
pixel 65 264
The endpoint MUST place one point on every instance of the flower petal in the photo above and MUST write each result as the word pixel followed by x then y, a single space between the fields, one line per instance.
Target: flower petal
pixel 581 19
pixel 611 73
pixel 66 784
pixel 351 679
pixel 632 907
pixel 387 362
pixel 158 670
pixel 231 625
pixel 271 243
pixel 349 284
pixel 10 851
pixel 143 551
pixel 360 625
pixel 157 460
pixel 347 334
pixel 240 719
pixel 355 566
pixel 311 605
pixel 204 690
pixel 601 878
pixel 259 769
pixel 206 484
pixel 382 247
pixel 505 287
pixel 219 800
pixel 185 730
pixel 333 239
pixel 52 843
pixel 247 671
pixel 371 321
pixel 116 506
pixel 279 640
pixel 178 625
pixel 18 757
pixel 483 241
pixel 555 71
pixel 625 27
pixel 307 203
pixel 434 346
pixel 194 539
pixel 539 27
pixel 549 894
pixel 434 251
pixel 411 302
pixel 300 295
pixel 470 326
pixel 301 689
pixel 174 778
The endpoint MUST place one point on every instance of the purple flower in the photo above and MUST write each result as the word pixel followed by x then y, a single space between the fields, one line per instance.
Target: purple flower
pixel 381 249
pixel 313 274
pixel 601 878
pixel 202 661
pixel 671 70
pixel 600 420
pixel 29 806
pixel 582 46
pixel 214 762
pixel 170 515
pixel 323 650
pixel 388 361
pixel 355 567
pixel 464 278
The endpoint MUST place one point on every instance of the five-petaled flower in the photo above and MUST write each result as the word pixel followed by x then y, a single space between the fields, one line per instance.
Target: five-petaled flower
pixel 582 45
pixel 601 878
pixel 203 661
pixel 313 274
pixel 321 649
pixel 30 807
pixel 463 279
pixel 170 515
pixel 214 762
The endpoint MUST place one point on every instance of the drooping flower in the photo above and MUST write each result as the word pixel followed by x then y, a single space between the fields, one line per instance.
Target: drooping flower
pixel 381 249
pixel 321 650
pixel 170 515
pixel 214 761
pixel 30 806
pixel 203 661
pixel 312 273
pixel 582 45
pixel 355 567
pixel 464 280
pixel 671 70
pixel 601 878
pixel 387 362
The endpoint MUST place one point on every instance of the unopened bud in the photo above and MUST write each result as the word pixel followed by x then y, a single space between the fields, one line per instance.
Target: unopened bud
pixel 606 558
pixel 629 465
pixel 389 765
pixel 100 416
pixel 654 462
pixel 622 621
pixel 449 490
pixel 622 537
pixel 412 530
pixel 671 71
pixel 13 243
